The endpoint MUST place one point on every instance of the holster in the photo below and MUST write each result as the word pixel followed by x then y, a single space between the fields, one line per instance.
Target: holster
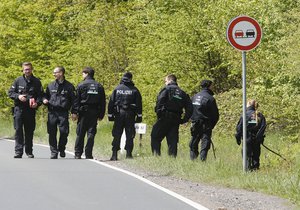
pixel 83 108
pixel 116 109
pixel 197 127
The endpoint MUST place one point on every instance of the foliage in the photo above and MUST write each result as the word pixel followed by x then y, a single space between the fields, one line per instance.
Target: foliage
pixel 153 39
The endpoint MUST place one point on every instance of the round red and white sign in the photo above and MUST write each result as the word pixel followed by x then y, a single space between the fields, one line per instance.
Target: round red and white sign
pixel 244 33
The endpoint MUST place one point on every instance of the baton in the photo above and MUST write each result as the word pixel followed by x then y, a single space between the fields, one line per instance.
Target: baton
pixel 274 152
pixel 213 147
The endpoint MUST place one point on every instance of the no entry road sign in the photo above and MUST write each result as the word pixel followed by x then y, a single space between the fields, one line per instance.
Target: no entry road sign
pixel 244 33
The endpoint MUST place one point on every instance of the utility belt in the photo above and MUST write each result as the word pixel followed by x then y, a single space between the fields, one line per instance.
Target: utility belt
pixel 57 109
pixel 21 108
pixel 200 124
pixel 171 115
pixel 85 108
pixel 125 107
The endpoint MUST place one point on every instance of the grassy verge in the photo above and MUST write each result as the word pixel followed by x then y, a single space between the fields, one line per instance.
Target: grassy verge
pixel 276 176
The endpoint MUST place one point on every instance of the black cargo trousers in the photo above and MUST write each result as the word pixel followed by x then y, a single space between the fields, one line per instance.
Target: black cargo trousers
pixel 167 126
pixel 58 119
pixel 253 151
pixel 24 117
pixel 125 119
pixel 200 131
pixel 86 125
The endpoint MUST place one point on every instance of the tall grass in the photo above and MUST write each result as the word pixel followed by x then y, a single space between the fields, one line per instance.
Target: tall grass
pixel 276 176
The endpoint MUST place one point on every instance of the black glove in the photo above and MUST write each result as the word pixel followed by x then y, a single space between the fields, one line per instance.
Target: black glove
pixel 112 118
pixel 238 139
pixel 193 129
pixel 138 119
pixel 182 121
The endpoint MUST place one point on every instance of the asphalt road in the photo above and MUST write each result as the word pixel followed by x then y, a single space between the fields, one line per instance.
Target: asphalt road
pixel 69 184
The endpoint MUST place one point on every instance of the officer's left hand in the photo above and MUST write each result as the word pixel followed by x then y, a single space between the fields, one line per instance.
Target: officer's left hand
pixel 238 139
pixel 74 117
pixel 139 119
pixel 182 121
pixel 34 105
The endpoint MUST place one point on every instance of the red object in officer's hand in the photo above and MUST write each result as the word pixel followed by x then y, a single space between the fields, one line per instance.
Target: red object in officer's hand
pixel 32 102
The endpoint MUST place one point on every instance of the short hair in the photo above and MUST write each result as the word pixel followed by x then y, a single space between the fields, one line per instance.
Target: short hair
pixel 172 77
pixel 89 70
pixel 61 68
pixel 27 64
pixel 206 83
pixel 128 75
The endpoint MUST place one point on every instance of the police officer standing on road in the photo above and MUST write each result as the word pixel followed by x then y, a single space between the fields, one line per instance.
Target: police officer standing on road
pixel 124 108
pixel 205 117
pixel 169 107
pixel 89 106
pixel 256 126
pixel 27 93
pixel 59 98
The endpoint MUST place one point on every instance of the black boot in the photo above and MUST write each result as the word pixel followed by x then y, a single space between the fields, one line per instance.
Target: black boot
pixel 129 155
pixel 114 156
pixel 193 155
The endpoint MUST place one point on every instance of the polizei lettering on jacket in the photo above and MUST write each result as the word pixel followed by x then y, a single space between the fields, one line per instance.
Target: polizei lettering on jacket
pixel 124 92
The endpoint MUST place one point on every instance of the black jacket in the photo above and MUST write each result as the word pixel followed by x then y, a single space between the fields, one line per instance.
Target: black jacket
pixel 205 108
pixel 255 127
pixel 61 96
pixel 31 87
pixel 171 99
pixel 90 95
pixel 127 97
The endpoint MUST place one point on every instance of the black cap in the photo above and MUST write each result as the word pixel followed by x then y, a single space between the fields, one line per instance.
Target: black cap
pixel 127 75
pixel 206 83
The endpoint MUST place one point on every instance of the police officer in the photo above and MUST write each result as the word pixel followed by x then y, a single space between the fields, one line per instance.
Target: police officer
pixel 205 117
pixel 89 106
pixel 124 108
pixel 256 126
pixel 27 93
pixel 169 108
pixel 59 98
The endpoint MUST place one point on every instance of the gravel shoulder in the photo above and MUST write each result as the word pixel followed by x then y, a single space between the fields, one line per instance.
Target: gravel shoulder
pixel 212 197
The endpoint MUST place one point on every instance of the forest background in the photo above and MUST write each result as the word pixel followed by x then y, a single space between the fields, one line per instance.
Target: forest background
pixel 152 38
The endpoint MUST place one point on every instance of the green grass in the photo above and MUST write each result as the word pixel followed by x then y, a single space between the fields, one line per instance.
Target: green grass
pixel 276 176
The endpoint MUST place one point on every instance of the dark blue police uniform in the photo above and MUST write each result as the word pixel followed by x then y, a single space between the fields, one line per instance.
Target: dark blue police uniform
pixel 61 96
pixel 24 115
pixel 169 107
pixel 205 117
pixel 256 126
pixel 90 106
pixel 124 108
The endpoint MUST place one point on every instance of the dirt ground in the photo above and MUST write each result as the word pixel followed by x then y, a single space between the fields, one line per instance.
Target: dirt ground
pixel 213 197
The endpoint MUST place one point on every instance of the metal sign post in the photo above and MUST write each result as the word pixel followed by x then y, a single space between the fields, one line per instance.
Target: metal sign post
pixel 245 167
pixel 244 33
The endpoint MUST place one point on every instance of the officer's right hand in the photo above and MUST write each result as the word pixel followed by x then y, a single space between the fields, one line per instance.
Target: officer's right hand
pixel 74 117
pixel 22 98
pixel 138 119
pixel 238 139
pixel 45 101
